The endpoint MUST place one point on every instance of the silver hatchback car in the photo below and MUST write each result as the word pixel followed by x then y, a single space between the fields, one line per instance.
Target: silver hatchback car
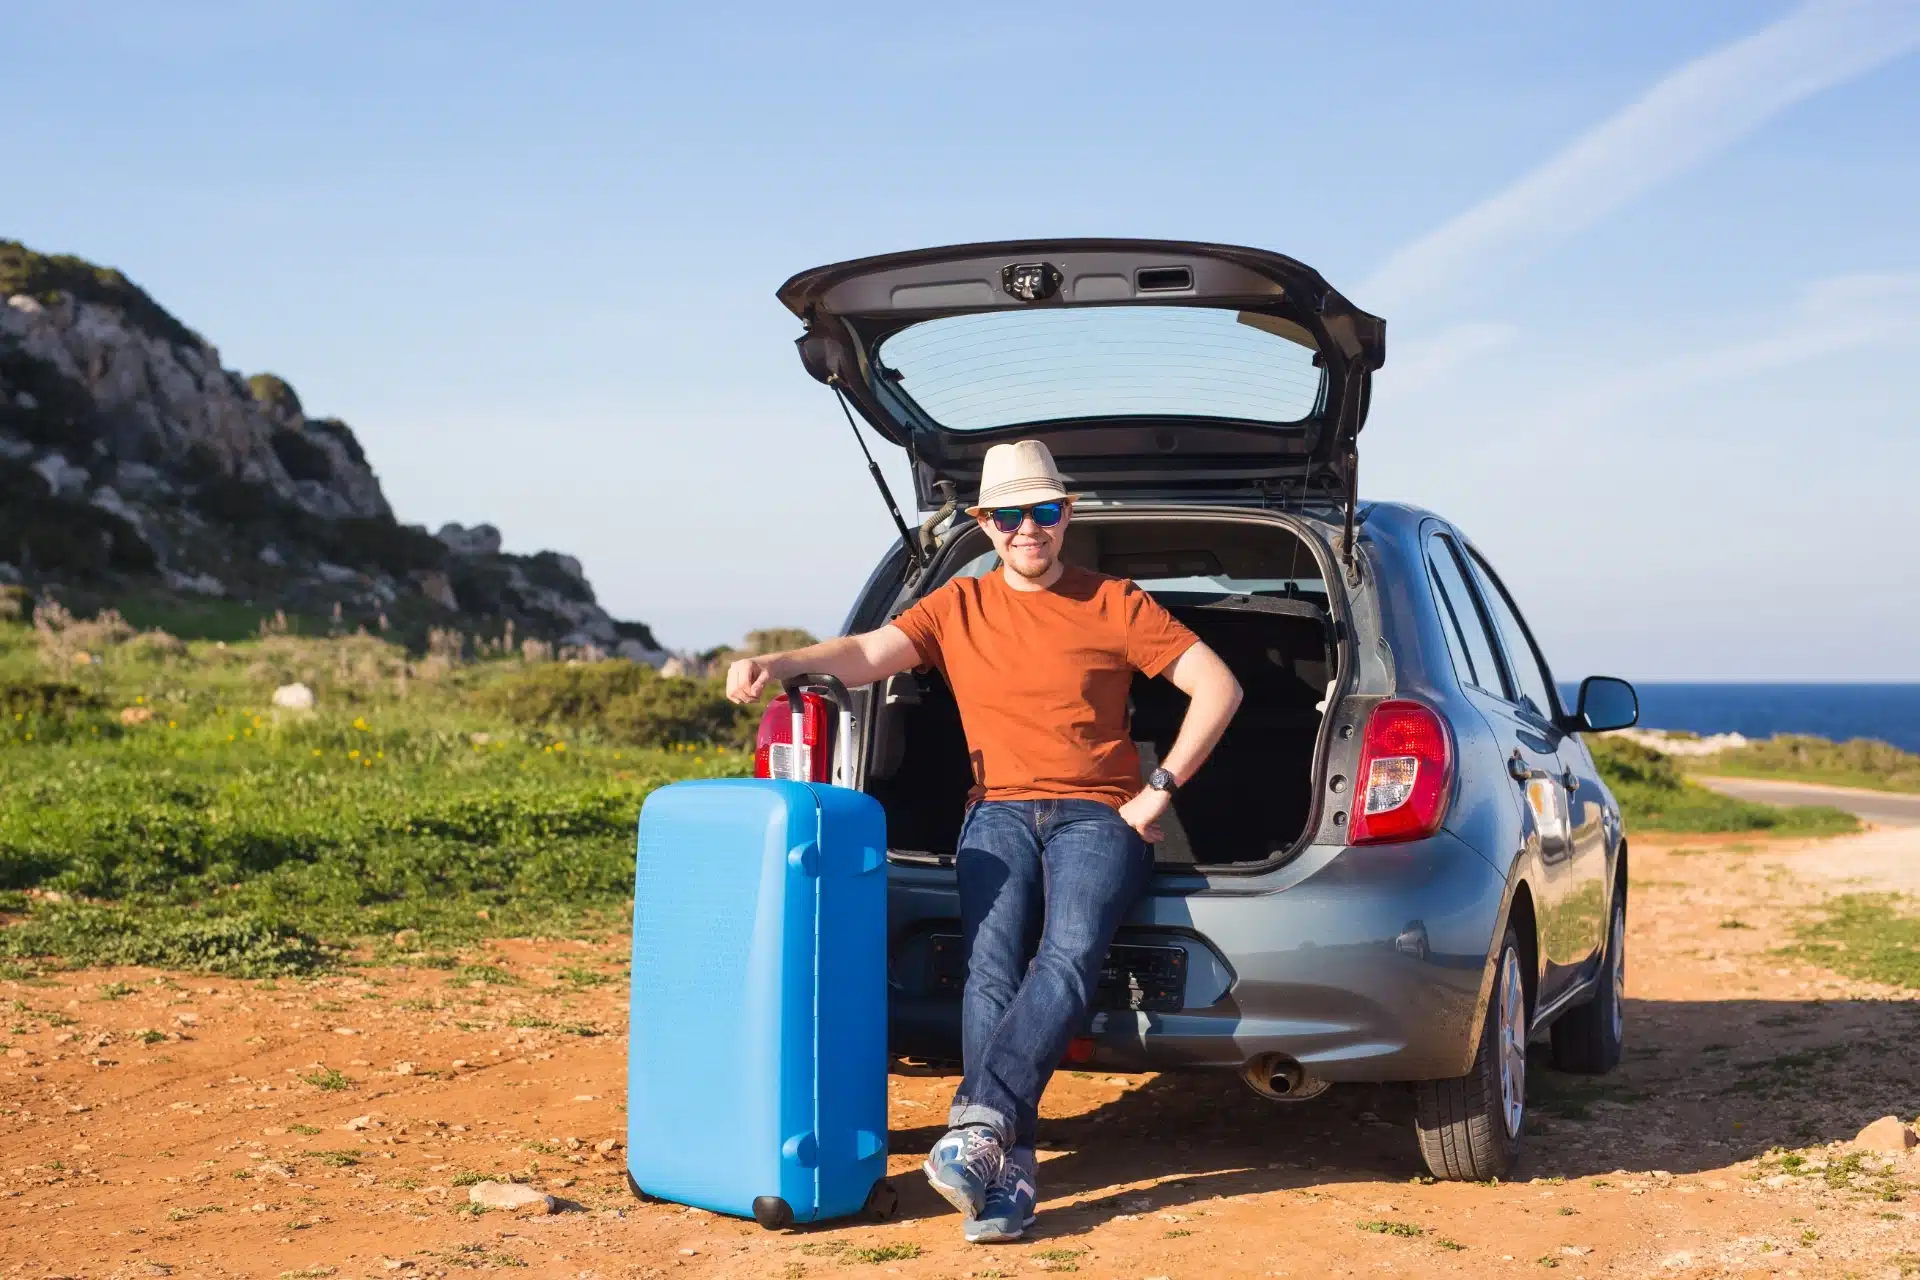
pixel 1400 862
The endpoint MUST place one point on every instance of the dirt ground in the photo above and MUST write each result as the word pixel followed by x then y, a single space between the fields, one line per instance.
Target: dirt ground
pixel 155 1124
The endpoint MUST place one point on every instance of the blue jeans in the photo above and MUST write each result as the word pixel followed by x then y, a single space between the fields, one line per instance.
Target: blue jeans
pixel 1043 885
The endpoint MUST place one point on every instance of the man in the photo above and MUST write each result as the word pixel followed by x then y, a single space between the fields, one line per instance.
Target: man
pixel 1040 655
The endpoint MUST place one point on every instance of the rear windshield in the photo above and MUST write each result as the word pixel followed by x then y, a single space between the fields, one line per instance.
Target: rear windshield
pixel 1004 368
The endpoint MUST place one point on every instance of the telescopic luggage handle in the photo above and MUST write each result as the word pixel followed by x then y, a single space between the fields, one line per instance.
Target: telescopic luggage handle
pixel 840 775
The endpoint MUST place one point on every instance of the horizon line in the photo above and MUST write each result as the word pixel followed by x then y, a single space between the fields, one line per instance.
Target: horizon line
pixel 1725 679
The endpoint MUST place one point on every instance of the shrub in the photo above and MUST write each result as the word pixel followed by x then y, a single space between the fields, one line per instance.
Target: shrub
pixel 238 947
pixel 275 392
pixel 303 459
pixel 1860 762
pixel 47 276
pixel 1654 796
pixel 628 701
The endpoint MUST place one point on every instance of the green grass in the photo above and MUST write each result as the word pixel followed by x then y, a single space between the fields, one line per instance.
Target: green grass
pixel 1858 762
pixel 1382 1226
pixel 1864 935
pixel 156 809
pixel 882 1253
pixel 1655 796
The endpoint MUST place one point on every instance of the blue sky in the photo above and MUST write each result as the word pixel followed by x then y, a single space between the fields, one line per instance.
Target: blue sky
pixel 1651 271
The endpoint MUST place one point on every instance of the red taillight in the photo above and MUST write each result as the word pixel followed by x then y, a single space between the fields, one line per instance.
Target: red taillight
pixel 1079 1052
pixel 1406 774
pixel 774 755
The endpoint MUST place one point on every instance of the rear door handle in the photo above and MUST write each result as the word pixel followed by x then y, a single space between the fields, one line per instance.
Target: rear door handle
pixel 1571 781
pixel 1518 768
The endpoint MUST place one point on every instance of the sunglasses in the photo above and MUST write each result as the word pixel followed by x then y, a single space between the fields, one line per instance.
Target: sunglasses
pixel 1045 514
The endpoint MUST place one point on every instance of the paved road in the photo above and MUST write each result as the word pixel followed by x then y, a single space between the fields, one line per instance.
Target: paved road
pixel 1885 808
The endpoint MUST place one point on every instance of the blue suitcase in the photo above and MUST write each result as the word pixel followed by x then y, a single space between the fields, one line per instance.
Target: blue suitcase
pixel 757 1059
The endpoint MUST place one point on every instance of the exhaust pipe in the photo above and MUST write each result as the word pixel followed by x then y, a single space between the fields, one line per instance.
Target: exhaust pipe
pixel 1278 1078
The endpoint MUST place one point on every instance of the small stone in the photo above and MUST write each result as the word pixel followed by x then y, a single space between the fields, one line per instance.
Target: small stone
pixel 573 1144
pixel 586 1097
pixel 1887 1134
pixel 294 697
pixel 358 1123
pixel 16 1052
pixel 458 1063
pixel 345 1031
pixel 607 1144
pixel 397 1264
pixel 186 1018
pixel 272 1131
pixel 510 1196
pixel 277 1169
pixel 403 1068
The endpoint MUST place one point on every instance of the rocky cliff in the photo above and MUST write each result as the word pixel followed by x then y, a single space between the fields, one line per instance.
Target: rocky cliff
pixel 131 460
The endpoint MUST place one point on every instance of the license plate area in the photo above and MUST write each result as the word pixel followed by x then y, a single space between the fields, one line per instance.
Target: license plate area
pixel 1134 977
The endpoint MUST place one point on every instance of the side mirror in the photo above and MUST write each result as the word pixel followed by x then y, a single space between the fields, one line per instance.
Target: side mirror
pixel 1605 703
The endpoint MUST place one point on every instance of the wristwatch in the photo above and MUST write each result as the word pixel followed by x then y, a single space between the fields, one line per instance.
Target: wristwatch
pixel 1161 780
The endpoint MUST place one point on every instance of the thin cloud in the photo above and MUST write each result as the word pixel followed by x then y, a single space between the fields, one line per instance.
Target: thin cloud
pixel 1845 313
pixel 1421 362
pixel 1698 110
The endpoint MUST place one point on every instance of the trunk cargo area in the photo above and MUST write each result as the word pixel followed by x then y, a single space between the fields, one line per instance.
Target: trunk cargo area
pixel 1251 802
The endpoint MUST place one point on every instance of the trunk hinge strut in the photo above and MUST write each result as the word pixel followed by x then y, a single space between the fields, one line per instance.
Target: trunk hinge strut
pixel 907 540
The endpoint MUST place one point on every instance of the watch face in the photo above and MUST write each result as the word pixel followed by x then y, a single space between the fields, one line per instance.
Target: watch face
pixel 1160 780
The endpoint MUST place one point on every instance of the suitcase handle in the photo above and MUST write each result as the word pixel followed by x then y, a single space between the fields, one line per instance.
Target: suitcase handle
pixel 841 774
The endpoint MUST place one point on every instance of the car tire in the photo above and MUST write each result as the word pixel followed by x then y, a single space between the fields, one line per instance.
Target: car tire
pixel 1471 1127
pixel 1587 1040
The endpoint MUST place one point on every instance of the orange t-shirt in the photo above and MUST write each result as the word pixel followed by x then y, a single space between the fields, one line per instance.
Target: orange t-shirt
pixel 1042 678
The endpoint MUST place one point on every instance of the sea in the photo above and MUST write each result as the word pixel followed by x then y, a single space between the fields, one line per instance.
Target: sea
pixel 1889 712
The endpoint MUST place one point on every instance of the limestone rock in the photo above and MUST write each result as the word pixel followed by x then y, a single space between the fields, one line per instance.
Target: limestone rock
pixel 1887 1133
pixel 481 540
pixel 294 697
pixel 510 1196
pixel 438 588
pixel 62 477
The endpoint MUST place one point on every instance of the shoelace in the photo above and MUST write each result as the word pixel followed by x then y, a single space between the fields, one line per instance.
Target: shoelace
pixel 978 1156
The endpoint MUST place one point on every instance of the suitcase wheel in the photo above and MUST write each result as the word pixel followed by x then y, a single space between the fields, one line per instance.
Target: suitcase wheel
pixel 772 1212
pixel 882 1202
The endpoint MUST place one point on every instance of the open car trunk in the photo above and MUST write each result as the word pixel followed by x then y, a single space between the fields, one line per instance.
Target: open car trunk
pixel 1252 591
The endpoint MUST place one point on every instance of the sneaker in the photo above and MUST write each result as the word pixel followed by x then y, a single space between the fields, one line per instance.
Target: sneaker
pixel 963 1165
pixel 1008 1211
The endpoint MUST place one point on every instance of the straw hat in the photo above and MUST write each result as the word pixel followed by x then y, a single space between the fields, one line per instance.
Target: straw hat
pixel 1018 475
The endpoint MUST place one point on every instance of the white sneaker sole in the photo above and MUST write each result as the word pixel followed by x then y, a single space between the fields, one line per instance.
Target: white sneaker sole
pixel 998 1237
pixel 955 1196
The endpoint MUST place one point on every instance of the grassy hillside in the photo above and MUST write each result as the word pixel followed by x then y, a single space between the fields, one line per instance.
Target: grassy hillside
pixel 1655 796
pixel 1860 762
pixel 155 807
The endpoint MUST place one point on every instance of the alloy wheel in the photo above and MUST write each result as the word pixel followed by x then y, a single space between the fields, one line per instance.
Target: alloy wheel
pixel 1513 1044
pixel 1617 944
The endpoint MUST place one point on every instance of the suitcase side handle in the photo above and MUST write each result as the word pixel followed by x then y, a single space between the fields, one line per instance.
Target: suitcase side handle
pixel 841 773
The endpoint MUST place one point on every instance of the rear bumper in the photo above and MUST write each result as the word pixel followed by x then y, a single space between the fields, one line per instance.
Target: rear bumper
pixel 1363 963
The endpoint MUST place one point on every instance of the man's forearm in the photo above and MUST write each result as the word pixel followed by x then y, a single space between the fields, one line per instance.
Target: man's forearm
pixel 843 657
pixel 1210 709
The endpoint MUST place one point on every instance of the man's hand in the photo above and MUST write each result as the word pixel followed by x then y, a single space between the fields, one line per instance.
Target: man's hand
pixel 1142 813
pixel 746 677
